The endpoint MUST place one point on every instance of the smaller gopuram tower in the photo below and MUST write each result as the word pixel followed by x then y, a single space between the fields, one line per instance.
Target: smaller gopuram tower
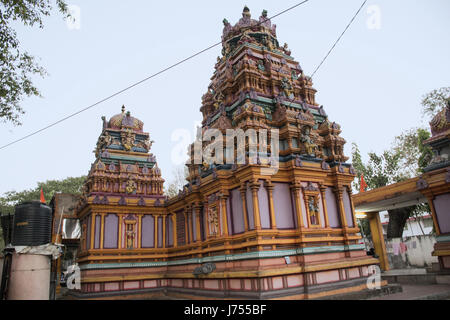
pixel 124 181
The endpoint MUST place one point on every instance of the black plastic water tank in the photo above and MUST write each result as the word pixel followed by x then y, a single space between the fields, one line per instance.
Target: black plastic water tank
pixel 32 224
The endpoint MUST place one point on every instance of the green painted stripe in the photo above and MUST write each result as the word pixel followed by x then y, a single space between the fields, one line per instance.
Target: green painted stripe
pixel 230 257
pixel 443 238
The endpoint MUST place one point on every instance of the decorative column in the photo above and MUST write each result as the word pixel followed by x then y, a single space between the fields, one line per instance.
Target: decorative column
pixel 223 207
pixel 187 235
pixel 433 214
pixel 102 230
pixel 323 190
pixel 378 239
pixel 296 187
pixel 198 211
pixel 349 190
pixel 269 187
pixel 339 191
pixel 119 245
pixel 93 215
pixel 243 191
pixel 164 231
pixel 174 233
pixel 139 233
pixel 254 186
pixel 205 218
pixel 156 217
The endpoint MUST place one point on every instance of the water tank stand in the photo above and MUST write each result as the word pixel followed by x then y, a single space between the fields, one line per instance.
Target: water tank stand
pixel 8 252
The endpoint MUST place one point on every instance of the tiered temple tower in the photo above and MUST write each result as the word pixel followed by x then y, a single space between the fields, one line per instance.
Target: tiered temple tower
pixel 236 229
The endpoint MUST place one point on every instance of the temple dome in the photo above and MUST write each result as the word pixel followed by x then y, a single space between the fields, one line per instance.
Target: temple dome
pixel 124 120
pixel 247 23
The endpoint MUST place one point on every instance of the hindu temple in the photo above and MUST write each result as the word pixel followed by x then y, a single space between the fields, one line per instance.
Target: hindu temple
pixel 235 230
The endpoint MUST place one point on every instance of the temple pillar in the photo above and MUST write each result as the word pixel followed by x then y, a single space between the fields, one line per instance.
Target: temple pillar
pixel 139 231
pixel 433 214
pixel 376 230
pixel 164 231
pixel 223 207
pixel 93 216
pixel 243 191
pixel 198 211
pixel 186 226
pixel 102 230
pixel 119 245
pixel 254 186
pixel 323 189
pixel 269 187
pixel 295 188
pixel 174 233
pixel 205 219
pixel 156 217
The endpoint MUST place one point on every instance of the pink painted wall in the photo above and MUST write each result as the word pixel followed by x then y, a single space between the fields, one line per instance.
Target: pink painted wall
pixel 263 202
pixel 111 286
pixel 442 206
pixel 148 231
pixel 97 232
pixel 169 232
pixel 282 202
pixel 160 232
pixel 237 214
pixel 348 208
pixel 332 209
pixel 111 231
pixel 88 235
pixel 327 276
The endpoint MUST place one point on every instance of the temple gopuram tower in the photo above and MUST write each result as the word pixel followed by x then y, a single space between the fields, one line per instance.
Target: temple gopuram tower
pixel 124 181
pixel 237 229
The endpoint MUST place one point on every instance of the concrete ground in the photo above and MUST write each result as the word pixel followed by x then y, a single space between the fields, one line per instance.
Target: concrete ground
pixel 419 292
pixel 417 284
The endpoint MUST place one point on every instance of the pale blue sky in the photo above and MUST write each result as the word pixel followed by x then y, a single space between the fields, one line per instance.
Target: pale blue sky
pixel 371 84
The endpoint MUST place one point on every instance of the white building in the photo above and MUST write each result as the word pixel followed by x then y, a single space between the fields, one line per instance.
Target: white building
pixel 423 225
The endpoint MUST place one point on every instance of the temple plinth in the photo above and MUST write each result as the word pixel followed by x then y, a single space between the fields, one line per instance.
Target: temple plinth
pixel 239 228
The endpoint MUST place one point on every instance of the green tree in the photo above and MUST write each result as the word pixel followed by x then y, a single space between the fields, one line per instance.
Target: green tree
pixel 434 101
pixel 49 188
pixel 407 158
pixel 18 66
pixel 177 183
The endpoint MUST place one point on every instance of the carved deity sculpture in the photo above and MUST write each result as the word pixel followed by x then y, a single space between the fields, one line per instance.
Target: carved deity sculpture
pixel 308 142
pixel 103 141
pixel 131 186
pixel 130 236
pixel 287 88
pixel 213 220
pixel 313 209
pixel 128 140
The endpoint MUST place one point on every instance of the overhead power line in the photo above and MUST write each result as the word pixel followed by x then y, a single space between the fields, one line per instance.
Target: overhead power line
pixel 137 83
pixel 336 42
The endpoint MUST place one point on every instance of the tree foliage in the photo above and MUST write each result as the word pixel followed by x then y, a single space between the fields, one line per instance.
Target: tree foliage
pixel 18 66
pixel 50 187
pixel 435 100
pixel 177 183
pixel 407 158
